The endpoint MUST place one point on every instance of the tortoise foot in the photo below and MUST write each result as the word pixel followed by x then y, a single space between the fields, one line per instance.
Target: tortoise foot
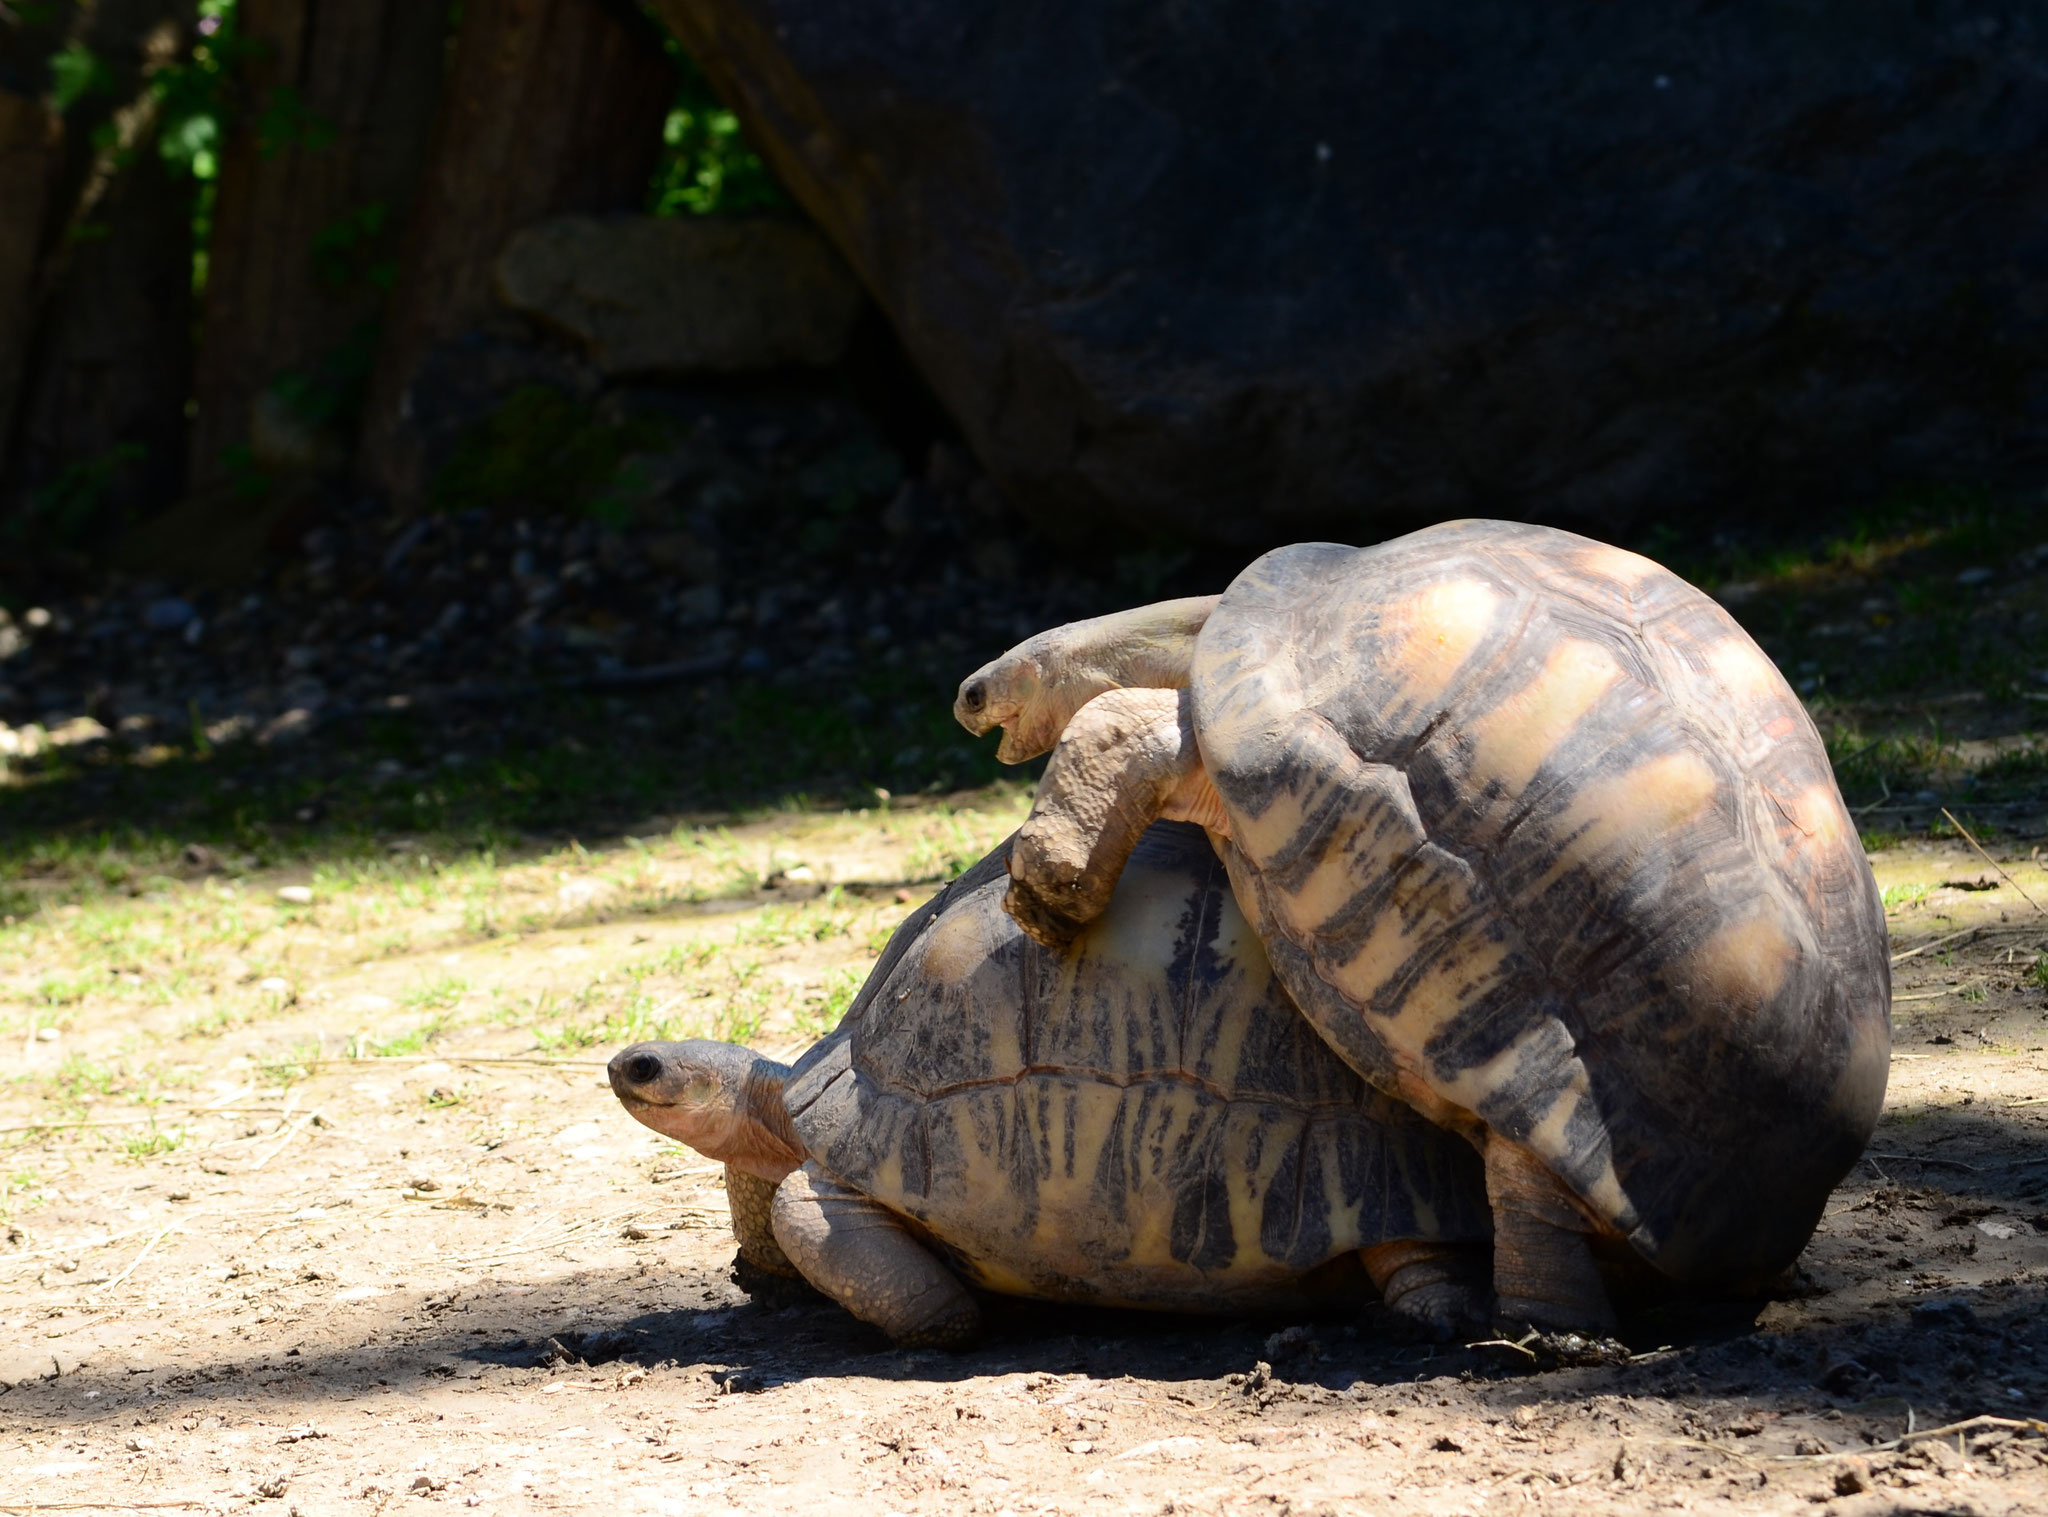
pixel 1438 1289
pixel 1042 920
pixel 1544 1275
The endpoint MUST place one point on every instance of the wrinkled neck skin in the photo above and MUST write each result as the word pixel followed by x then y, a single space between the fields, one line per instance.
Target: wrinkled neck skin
pixel 726 1108
pixel 1033 691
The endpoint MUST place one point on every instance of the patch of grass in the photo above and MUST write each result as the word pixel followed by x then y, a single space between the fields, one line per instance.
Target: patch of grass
pixel 440 995
pixel 2037 973
pixel 156 1140
pixel 300 1062
pixel 818 1015
pixel 80 1081
pixel 1896 896
pixel 405 1043
pixel 1878 842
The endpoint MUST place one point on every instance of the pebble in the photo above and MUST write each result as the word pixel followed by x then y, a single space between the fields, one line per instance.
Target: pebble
pixel 276 985
pixel 47 1034
pixel 296 895
pixel 1976 576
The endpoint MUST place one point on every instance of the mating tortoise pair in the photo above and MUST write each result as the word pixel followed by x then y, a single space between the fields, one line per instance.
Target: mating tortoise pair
pixel 1540 842
pixel 1531 832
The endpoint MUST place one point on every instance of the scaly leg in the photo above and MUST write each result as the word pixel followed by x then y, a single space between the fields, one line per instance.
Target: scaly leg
pixel 860 1254
pixel 1543 1270
pixel 1441 1287
pixel 750 1199
pixel 1128 758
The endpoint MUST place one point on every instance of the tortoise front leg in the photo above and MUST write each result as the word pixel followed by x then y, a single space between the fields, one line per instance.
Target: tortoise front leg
pixel 750 1198
pixel 1441 1287
pixel 860 1254
pixel 1543 1270
pixel 1127 759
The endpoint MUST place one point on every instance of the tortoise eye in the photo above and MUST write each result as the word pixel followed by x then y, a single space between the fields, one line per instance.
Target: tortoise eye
pixel 975 696
pixel 642 1069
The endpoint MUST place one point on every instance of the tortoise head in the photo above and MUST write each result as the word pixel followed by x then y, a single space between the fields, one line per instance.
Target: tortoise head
pixel 723 1100
pixel 1033 691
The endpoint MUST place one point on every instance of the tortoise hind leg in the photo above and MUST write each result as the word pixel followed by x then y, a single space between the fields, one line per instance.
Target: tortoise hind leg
pixel 1128 758
pixel 860 1254
pixel 1544 1274
pixel 1443 1288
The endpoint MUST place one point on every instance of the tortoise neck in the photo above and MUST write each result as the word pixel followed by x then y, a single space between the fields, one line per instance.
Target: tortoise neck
pixel 764 1139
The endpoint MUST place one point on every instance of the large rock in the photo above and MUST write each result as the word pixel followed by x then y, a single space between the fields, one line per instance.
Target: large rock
pixel 682 295
pixel 1303 266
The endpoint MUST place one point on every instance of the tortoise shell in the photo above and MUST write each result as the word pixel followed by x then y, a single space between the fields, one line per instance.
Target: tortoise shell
pixel 1539 838
pixel 1144 1119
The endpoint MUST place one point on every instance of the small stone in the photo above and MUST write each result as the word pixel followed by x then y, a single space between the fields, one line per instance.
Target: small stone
pixel 296 895
pixel 276 985
pixel 47 1034
pixel 273 1487
pixel 1080 1446
pixel 180 1195
pixel 1976 576
pixel 1853 1478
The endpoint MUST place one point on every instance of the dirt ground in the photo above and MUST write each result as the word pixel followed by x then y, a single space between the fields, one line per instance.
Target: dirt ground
pixel 460 1275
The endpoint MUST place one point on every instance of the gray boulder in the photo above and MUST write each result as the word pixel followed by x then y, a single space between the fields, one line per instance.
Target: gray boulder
pixel 683 295
pixel 1270 270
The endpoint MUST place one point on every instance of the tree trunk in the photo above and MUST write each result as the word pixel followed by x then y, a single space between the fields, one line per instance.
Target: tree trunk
pixel 316 180
pixel 551 106
pixel 99 425
pixel 31 142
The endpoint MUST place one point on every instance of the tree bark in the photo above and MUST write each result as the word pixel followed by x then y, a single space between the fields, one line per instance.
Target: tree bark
pixel 99 423
pixel 551 107
pixel 31 144
pixel 316 180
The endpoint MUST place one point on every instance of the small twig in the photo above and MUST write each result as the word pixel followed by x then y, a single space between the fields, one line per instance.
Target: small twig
pixel 1987 858
pixel 1879 801
pixel 1936 995
pixel 1911 953
pixel 2020 1424
pixel 1916 1159
pixel 373 1060
pixel 155 1238
pixel 99 1505
pixel 283 1143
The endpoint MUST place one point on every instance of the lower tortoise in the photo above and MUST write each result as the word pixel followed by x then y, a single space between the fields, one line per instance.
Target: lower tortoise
pixel 1141 1118
pixel 1542 843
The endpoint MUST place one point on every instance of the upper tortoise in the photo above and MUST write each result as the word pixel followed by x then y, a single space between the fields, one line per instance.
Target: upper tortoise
pixel 1538 838
pixel 1142 1118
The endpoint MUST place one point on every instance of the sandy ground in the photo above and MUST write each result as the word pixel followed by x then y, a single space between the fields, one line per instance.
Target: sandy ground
pixel 452 1281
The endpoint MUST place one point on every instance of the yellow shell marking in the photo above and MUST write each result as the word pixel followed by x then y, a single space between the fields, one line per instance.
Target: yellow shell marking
pixel 1746 961
pixel 1434 632
pixel 954 948
pixel 1741 669
pixel 1511 742
pixel 1631 569
pixel 1612 820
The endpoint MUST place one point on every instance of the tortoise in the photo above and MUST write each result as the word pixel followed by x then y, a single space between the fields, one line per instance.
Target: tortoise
pixel 1139 1119
pixel 1541 842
